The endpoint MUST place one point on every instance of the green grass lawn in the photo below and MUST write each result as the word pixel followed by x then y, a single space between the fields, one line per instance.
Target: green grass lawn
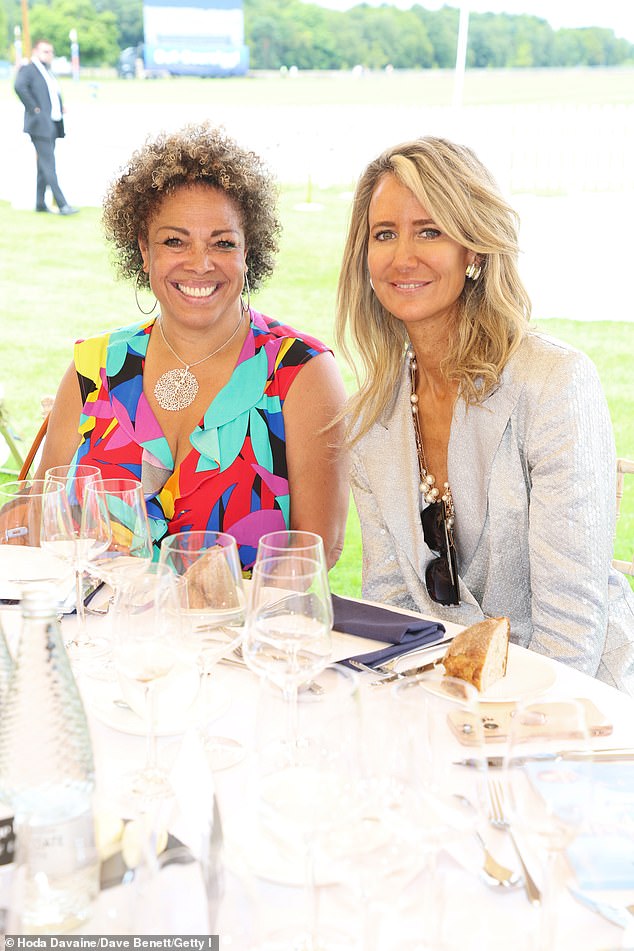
pixel 430 87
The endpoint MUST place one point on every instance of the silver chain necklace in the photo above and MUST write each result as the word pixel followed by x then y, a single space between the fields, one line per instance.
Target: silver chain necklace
pixel 177 389
pixel 427 486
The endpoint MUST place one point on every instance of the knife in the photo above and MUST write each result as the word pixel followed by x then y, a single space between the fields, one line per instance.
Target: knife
pixel 600 756
pixel 411 672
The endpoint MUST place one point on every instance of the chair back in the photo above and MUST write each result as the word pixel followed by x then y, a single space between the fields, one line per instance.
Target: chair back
pixel 35 445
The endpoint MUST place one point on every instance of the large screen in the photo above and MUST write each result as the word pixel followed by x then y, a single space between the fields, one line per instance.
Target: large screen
pixel 196 37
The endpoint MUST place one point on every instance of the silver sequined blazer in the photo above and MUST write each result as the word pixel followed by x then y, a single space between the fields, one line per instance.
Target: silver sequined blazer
pixel 532 471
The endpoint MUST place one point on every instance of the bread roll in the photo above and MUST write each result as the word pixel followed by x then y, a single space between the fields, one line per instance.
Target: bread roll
pixel 479 653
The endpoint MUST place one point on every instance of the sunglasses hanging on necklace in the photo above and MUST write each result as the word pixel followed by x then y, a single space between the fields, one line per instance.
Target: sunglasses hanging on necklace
pixel 437 518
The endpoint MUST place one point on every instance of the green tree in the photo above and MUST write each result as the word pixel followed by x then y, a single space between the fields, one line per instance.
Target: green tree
pixel 97 32
pixel 129 18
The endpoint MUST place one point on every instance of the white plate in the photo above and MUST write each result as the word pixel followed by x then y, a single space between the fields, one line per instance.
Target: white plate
pixel 20 564
pixel 527 673
pixel 101 697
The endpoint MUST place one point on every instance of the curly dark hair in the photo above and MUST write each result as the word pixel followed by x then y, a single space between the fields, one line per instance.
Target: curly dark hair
pixel 195 155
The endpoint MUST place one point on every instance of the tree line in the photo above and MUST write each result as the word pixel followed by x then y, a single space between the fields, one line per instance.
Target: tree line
pixel 284 33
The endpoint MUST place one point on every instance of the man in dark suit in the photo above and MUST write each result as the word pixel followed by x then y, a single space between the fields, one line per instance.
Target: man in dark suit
pixel 37 87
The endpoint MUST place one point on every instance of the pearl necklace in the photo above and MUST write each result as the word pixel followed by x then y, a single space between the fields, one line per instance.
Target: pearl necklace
pixel 427 486
pixel 177 389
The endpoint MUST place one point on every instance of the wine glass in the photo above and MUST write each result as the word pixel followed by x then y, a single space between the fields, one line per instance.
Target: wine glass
pixel 547 800
pixel 150 659
pixel 64 535
pixel 212 612
pixel 308 544
pixel 21 512
pixel 295 542
pixel 420 802
pixel 118 506
pixel 304 799
pixel 288 628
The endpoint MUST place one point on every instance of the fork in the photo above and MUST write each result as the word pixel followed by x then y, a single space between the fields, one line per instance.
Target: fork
pixel 500 821
pixel 389 666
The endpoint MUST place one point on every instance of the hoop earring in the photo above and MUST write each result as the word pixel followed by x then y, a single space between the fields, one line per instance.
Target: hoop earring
pixel 146 313
pixel 245 307
pixel 473 271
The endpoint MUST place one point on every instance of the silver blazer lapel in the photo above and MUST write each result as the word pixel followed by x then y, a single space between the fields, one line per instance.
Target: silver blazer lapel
pixel 476 434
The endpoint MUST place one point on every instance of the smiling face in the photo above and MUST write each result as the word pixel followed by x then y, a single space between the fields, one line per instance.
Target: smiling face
pixel 195 257
pixel 418 271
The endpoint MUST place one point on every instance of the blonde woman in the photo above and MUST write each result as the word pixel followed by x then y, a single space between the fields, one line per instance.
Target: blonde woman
pixel 483 453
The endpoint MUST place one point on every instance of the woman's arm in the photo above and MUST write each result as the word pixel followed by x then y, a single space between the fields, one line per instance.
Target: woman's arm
pixel 62 437
pixel 571 460
pixel 317 461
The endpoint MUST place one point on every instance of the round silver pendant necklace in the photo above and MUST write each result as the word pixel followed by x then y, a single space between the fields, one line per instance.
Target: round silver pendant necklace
pixel 177 389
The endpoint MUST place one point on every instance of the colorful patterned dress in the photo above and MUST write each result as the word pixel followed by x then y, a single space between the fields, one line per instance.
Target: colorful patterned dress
pixel 235 476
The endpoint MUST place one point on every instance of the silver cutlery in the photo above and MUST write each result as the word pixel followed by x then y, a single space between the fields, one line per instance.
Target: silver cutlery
pixel 599 756
pixel 388 667
pixel 620 915
pixel 494 870
pixel 406 674
pixel 500 821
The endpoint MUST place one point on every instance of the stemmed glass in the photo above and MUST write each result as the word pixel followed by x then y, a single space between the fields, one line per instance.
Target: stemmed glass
pixel 212 612
pixel 306 802
pixel 421 800
pixel 150 659
pixel 289 621
pixel 64 532
pixel 118 506
pixel 21 512
pixel 548 800
pixel 307 544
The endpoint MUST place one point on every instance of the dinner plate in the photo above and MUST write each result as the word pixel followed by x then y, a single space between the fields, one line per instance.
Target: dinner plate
pixel 24 564
pixel 527 673
pixel 104 702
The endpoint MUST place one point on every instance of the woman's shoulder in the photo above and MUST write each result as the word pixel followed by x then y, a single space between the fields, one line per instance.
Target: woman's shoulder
pixel 540 356
pixel 117 334
pixel 267 330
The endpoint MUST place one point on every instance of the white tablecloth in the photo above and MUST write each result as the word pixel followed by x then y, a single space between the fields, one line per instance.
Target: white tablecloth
pixel 479 916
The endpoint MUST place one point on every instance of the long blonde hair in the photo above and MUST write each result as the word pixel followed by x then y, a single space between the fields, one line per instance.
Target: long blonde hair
pixel 463 199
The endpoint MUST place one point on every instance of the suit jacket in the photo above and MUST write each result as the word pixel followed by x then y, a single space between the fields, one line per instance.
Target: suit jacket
pixel 31 87
pixel 532 472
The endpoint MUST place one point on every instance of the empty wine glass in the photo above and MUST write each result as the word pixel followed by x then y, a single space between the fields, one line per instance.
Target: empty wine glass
pixel 547 801
pixel 289 621
pixel 65 534
pixel 21 512
pixel 118 506
pixel 304 800
pixel 150 659
pixel 308 544
pixel 212 613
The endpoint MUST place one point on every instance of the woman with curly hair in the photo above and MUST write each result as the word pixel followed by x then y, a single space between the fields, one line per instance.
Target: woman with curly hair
pixel 483 462
pixel 222 413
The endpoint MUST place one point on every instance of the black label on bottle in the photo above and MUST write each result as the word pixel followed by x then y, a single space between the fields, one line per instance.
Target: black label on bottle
pixel 7 840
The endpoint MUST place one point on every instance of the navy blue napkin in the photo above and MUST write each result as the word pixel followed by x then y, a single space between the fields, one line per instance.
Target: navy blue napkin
pixel 400 632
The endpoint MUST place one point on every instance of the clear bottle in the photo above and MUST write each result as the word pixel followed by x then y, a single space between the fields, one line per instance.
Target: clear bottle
pixel 7 835
pixel 47 777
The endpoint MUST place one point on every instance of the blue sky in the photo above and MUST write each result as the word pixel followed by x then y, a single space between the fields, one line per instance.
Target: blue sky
pixel 617 15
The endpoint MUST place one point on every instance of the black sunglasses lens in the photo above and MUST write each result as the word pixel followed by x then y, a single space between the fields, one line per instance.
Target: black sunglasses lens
pixel 432 519
pixel 440 585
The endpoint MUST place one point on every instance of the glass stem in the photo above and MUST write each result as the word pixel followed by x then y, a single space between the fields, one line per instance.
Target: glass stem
pixel 546 935
pixel 311 894
pixel 150 745
pixel 292 719
pixel 82 633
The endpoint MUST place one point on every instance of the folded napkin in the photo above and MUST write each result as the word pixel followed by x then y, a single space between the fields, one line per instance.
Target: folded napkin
pixel 401 632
